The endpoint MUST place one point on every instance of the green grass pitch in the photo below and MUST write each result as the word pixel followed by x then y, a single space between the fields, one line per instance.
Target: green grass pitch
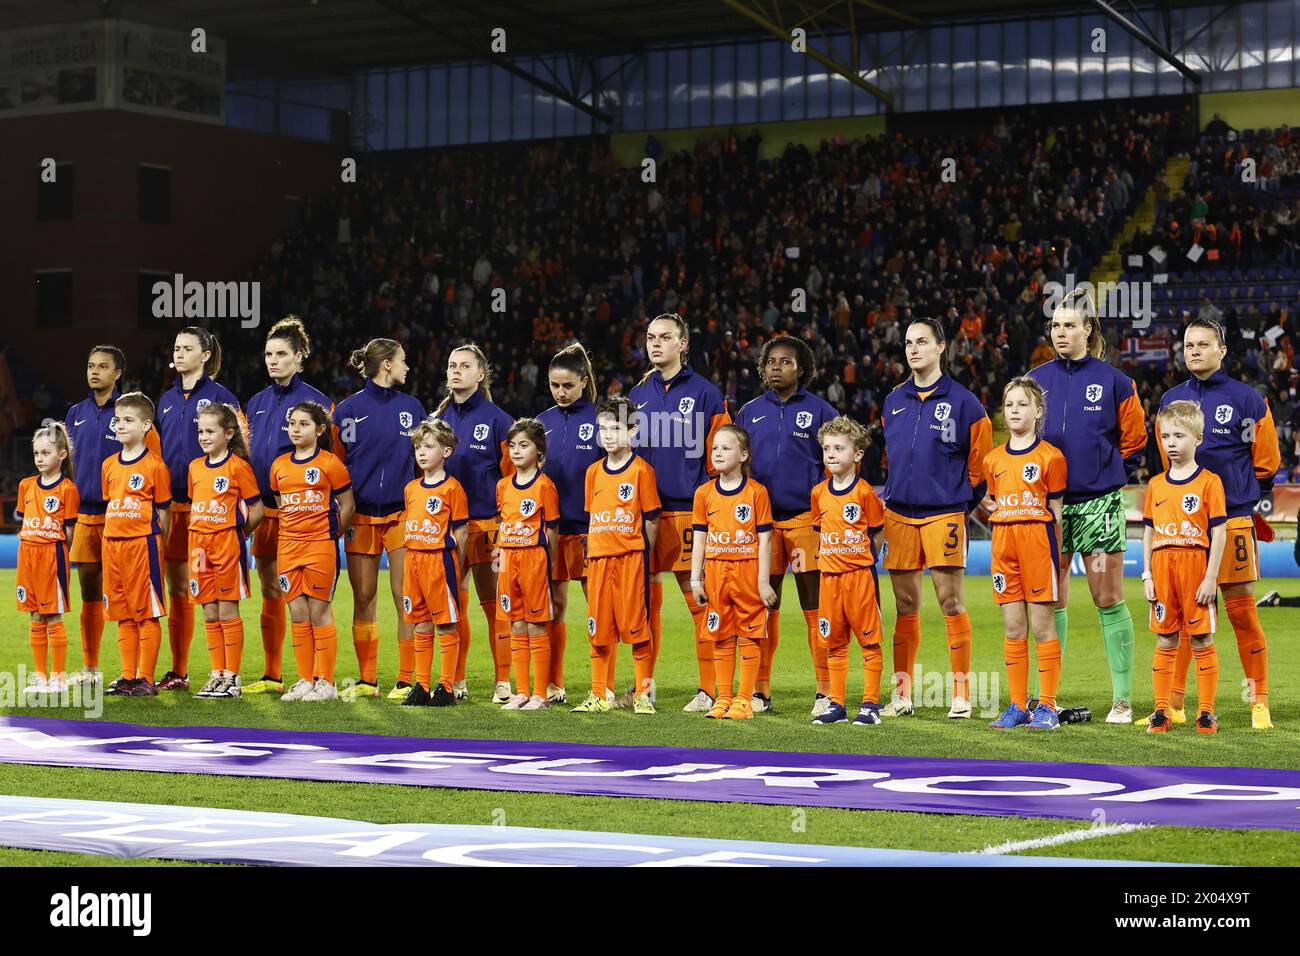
pixel 1085 681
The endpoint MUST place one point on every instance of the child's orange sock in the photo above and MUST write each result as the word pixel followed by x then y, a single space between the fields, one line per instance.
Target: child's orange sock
pixel 724 667
pixel 1182 662
pixel 150 645
pixel 449 655
pixel 1162 675
pixel 873 662
pixel 233 633
pixel 519 663
pixel 1049 671
pixel 703 648
pixel 502 637
pixel 641 667
pixel 325 643
pixel 423 642
pixel 837 663
pixel 57 636
pixel 92 633
pixel 1207 677
pixel 958 626
pixel 128 647
pixel 38 637
pixel 272 623
pixel 405 660
pixel 539 646
pixel 907 641
pixel 1016 655
pixel 599 667
pixel 751 659
pixel 216 636
pixel 304 650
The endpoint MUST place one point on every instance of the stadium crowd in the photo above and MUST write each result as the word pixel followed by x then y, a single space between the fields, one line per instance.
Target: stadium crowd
pixel 868 229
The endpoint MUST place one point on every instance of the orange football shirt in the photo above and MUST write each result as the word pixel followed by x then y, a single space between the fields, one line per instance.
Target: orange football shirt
pixel 526 510
pixel 134 491
pixel 619 502
pixel 432 511
pixel 846 519
pixel 732 520
pixel 306 491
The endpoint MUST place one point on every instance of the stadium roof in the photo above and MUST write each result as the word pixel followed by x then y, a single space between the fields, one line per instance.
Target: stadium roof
pixel 338 36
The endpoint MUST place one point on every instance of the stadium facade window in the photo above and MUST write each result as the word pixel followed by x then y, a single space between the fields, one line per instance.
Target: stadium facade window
pixel 747 82
pixel 155 193
pixel 769 97
pixel 1006 62
pixel 724 85
pixel 1282 18
pixel 54 201
pixel 53 298
pixel 1015 68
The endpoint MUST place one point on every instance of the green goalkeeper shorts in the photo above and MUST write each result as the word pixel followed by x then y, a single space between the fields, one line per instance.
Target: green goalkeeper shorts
pixel 1095 525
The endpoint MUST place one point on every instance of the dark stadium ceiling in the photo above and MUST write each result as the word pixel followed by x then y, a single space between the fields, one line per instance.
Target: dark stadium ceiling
pixel 315 37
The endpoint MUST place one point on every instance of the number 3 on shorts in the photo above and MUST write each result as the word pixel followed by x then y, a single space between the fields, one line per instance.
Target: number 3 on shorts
pixel 952 536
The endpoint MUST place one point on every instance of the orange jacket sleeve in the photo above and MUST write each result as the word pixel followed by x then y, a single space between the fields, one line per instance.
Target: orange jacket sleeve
pixel 981 443
pixel 1132 426
pixel 1265 452
pixel 722 418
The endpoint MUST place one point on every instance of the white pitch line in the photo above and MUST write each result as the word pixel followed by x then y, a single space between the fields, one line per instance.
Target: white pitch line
pixel 1069 836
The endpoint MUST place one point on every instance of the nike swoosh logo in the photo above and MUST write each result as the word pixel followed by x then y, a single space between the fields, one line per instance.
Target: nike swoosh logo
pixel 536 610
pixel 262 412
pixel 1256 650
pixel 752 626
pixel 361 419
pixel 895 411
pixel 949 554
pixel 713 512
pixel 548 431
pixel 642 404
pixel 167 409
pixel 999 474
pixel 759 418
pixel 1203 668
pixel 77 422
pixel 1160 502
pixel 1242 568
pixel 1194 623
pixel 1036 590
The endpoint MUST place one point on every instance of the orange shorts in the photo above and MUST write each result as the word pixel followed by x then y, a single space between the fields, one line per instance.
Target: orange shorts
pixel 266 537
pixel 388 535
pixel 1177 572
pixel 734 608
pixel 674 543
pixel 42 577
pixel 914 544
pixel 618 599
pixel 308 567
pixel 133 580
pixel 177 545
pixel 571 558
pixel 481 541
pixel 1025 559
pixel 218 566
pixel 431 587
pixel 794 545
pixel 88 540
pixel 524 585
pixel 848 601
pixel 1240 564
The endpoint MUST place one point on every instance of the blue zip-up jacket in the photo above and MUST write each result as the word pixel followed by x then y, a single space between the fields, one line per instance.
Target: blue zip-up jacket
pixel 268 435
pixel 1240 443
pixel 1095 418
pixel 678 420
pixel 90 430
pixel 178 429
pixel 934 448
pixel 480 459
pixel 785 455
pixel 571 446
pixel 372 435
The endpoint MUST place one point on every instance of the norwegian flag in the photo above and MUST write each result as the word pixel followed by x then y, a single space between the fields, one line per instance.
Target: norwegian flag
pixel 1154 349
